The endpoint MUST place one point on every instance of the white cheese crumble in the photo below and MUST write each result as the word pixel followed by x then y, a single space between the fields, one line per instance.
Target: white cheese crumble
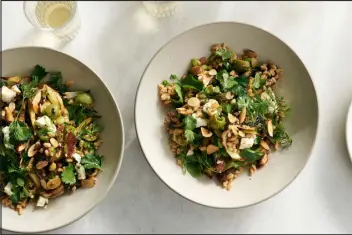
pixel 80 171
pixel 7 95
pixel 246 143
pixel 42 202
pixel 8 189
pixel 45 122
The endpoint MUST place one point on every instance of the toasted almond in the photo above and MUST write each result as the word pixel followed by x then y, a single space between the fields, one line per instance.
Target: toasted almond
pixel 20 148
pixel 241 133
pixel 52 166
pixel 12 107
pixel 252 169
pixel 202 148
pixel 88 183
pixel 47 145
pixel 232 119
pixel 69 83
pixel 243 115
pixel 36 101
pixel 8 115
pixel 15 79
pixel 35 179
pixel 53 183
pixel 229 95
pixel 264 145
pixel 43 184
pixel 212 149
pixel 277 145
pixel 212 72
pixel 206 132
pixel 41 164
pixel 270 128
pixel 33 149
pixel 263 160
pixel 54 142
pixel 46 152
pixel 193 102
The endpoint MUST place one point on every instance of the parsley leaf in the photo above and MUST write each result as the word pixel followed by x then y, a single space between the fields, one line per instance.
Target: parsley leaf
pixel 190 122
pixel 256 81
pixel 165 83
pixel 189 136
pixel 20 131
pixel 224 53
pixel 28 90
pixel 227 108
pixel 179 92
pixel 173 77
pixel 56 82
pixel 91 161
pixel 251 155
pixel 243 101
pixel 80 113
pixel 191 82
pixel 68 175
pixel 38 73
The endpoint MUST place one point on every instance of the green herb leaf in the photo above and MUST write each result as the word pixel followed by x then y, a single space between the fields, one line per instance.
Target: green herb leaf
pixel 20 182
pixel 190 82
pixel 251 155
pixel 224 53
pixel 91 161
pixel 194 169
pixel 38 73
pixel 243 102
pixel 68 175
pixel 166 83
pixel 189 136
pixel 56 82
pixel 20 131
pixel 190 122
pixel 227 108
pixel 256 81
pixel 179 92
pixel 173 77
pixel 80 113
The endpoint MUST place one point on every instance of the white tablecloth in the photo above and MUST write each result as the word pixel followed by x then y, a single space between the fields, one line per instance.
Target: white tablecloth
pixel 117 40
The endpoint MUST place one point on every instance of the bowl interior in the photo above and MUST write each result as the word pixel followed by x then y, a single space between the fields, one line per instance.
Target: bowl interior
pixel 66 209
pixel 296 86
pixel 349 131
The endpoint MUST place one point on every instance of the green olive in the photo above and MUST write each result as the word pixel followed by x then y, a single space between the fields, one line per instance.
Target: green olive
pixel 90 138
pixel 44 138
pixel 52 110
pixel 84 99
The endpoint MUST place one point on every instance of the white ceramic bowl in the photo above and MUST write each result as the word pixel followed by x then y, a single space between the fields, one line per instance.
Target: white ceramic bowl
pixel 349 131
pixel 67 209
pixel 296 86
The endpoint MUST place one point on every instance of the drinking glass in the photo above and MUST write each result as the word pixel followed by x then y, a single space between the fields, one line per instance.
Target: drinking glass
pixel 161 8
pixel 59 17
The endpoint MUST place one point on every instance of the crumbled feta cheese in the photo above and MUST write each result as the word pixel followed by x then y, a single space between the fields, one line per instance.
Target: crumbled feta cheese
pixel 42 202
pixel 7 95
pixel 80 171
pixel 246 143
pixel 15 89
pixel 200 121
pixel 6 133
pixel 190 153
pixel 77 157
pixel 211 107
pixel 8 189
pixel 45 122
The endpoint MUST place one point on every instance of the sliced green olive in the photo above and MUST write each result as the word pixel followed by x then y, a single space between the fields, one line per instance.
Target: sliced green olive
pixel 90 138
pixel 52 110
pixel 84 99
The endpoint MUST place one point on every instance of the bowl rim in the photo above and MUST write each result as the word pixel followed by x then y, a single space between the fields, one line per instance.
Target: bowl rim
pixel 117 170
pixel 315 96
pixel 349 134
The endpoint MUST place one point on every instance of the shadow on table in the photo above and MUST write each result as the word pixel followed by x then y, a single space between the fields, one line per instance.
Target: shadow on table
pixel 40 38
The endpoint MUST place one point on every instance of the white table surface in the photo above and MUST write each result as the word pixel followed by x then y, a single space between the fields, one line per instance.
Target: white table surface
pixel 117 40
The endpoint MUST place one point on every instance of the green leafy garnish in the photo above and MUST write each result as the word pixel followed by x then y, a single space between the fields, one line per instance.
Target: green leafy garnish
pixel 251 155
pixel 166 83
pixel 196 164
pixel 80 113
pixel 190 82
pixel 68 175
pixel 256 82
pixel 189 136
pixel 38 73
pixel 227 108
pixel 20 131
pixel 189 122
pixel 179 92
pixel 91 161
pixel 224 53
pixel 56 82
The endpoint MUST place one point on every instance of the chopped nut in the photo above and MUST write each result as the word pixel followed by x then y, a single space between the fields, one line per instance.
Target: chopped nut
pixel 232 119
pixel 43 184
pixel 212 149
pixel 54 142
pixel 41 164
pixel 197 70
pixel 52 166
pixel 47 145
pixel 206 132
pixel 184 111
pixel 263 160
pixel 8 115
pixel 69 83
pixel 35 179
pixel 53 183
pixel 229 95
pixel 264 145
pixel 250 53
pixel 212 72
pixel 252 169
pixel 194 102
pixel 46 152
pixel 36 100
pixel 270 128
pixel 20 148
pixel 12 107
pixel 88 183
pixel 33 149
pixel 243 115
